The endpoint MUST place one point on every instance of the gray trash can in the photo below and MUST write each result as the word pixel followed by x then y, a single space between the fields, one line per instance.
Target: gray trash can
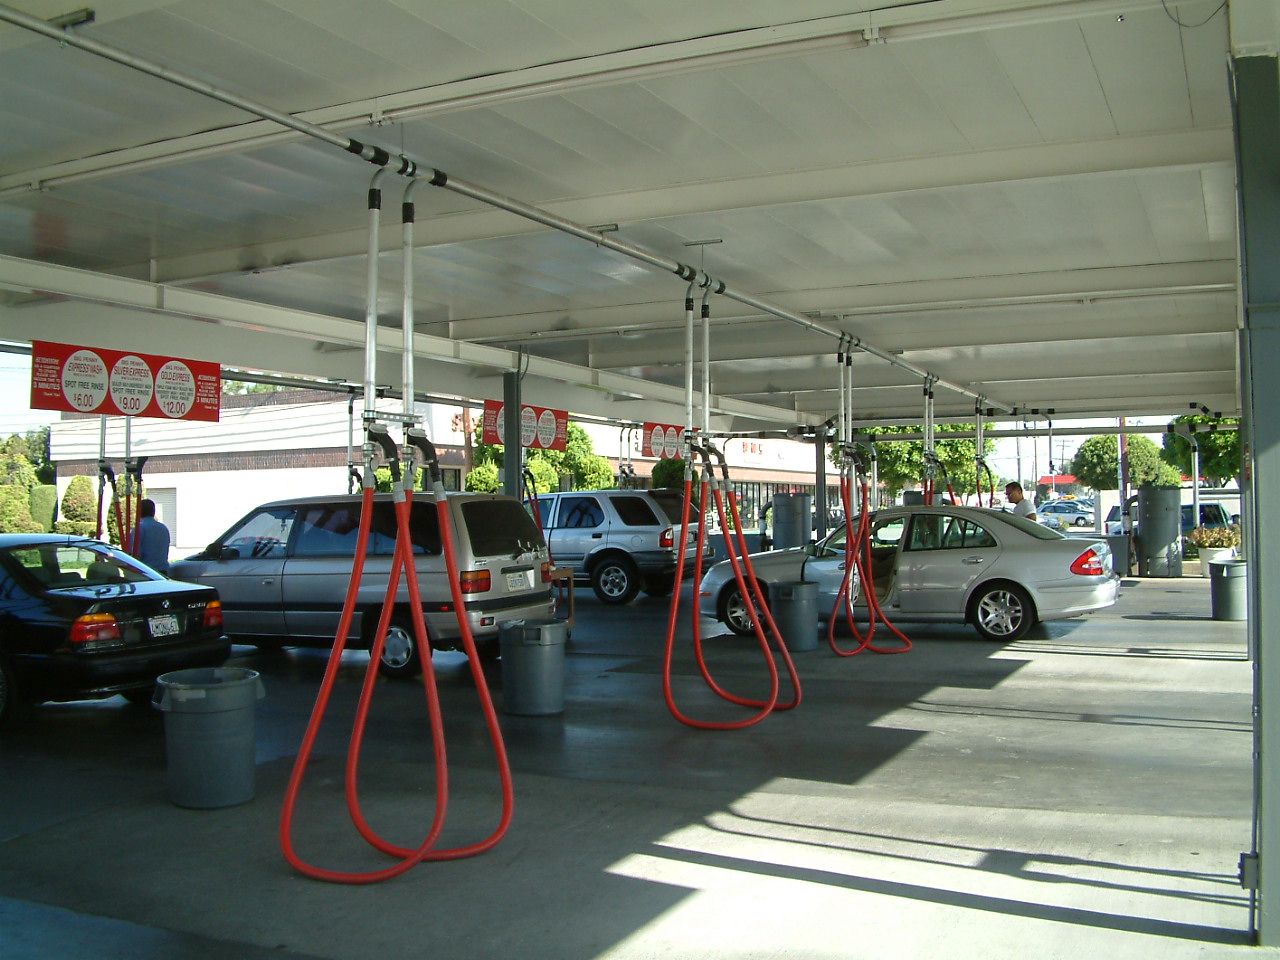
pixel 532 666
pixel 209 736
pixel 1229 589
pixel 795 610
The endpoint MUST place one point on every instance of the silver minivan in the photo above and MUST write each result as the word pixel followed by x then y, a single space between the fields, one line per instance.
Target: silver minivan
pixel 282 572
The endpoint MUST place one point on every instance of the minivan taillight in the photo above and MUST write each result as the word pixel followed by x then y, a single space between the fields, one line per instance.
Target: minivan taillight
pixel 96 630
pixel 667 539
pixel 213 615
pixel 1088 564
pixel 475 581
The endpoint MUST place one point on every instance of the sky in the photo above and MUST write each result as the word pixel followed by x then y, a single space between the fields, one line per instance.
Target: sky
pixel 16 415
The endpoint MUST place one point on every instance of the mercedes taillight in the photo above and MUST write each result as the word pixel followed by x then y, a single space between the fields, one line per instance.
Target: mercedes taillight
pixel 1088 564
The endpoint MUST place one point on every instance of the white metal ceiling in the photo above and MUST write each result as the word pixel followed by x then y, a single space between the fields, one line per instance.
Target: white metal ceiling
pixel 1032 200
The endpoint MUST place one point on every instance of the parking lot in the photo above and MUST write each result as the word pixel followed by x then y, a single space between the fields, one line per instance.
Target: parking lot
pixel 1082 792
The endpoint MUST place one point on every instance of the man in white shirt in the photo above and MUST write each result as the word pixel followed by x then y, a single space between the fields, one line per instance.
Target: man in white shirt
pixel 1022 507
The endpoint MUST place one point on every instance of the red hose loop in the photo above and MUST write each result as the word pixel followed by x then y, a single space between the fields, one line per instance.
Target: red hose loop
pixel 747 587
pixel 403 563
pixel 875 613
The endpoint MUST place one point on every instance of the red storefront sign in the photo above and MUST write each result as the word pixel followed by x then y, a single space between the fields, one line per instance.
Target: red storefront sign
pixel 662 440
pixel 97 380
pixel 540 428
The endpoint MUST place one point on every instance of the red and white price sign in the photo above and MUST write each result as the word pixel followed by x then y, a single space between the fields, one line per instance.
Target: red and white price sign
pixel 97 380
pixel 540 428
pixel 662 440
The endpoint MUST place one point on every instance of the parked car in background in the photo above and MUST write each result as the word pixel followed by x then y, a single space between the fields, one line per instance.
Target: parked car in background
pixel 80 620
pixel 998 572
pixel 1211 515
pixel 1071 512
pixel 621 541
pixel 282 572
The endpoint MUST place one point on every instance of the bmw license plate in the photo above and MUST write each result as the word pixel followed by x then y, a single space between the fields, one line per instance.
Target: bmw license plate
pixel 520 581
pixel 165 625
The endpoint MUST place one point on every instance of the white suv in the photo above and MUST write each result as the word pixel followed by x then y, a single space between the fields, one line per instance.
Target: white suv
pixel 620 540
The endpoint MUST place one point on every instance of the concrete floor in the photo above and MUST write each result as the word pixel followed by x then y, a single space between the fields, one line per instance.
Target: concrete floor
pixel 1084 792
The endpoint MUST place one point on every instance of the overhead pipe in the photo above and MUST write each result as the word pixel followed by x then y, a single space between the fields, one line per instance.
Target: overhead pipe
pixel 438 178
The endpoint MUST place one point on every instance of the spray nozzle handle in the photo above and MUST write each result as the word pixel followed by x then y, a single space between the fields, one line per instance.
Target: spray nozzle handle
pixel 430 459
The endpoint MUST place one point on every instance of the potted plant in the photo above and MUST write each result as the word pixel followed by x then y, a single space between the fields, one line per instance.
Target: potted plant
pixel 1215 544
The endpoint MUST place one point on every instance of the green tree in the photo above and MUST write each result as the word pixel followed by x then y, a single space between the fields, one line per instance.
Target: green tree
pixel 587 470
pixel 1097 463
pixel 16 470
pixel 668 473
pixel 1219 450
pixel 34 446
pixel 902 462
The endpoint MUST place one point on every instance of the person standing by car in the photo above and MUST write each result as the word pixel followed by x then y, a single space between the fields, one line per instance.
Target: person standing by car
pixel 1022 507
pixel 151 539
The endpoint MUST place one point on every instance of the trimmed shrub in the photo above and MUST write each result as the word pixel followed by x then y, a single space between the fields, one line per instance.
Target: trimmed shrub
pixel 15 511
pixel 43 502
pixel 80 502
pixel 75 528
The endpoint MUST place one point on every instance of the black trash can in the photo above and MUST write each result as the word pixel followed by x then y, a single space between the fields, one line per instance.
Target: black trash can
pixel 532 666
pixel 1229 589
pixel 795 611
pixel 209 734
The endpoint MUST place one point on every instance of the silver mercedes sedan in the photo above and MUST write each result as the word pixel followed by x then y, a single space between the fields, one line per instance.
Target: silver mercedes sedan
pixel 949 564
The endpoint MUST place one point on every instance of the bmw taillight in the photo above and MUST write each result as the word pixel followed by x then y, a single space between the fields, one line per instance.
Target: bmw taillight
pixel 667 539
pixel 213 615
pixel 1088 564
pixel 475 581
pixel 94 630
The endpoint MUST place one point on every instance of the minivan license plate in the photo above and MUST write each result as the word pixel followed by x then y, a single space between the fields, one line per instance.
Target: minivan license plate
pixel 520 581
pixel 163 626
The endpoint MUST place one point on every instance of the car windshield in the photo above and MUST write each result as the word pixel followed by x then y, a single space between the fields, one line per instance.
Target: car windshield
pixel 81 563
pixel 1036 530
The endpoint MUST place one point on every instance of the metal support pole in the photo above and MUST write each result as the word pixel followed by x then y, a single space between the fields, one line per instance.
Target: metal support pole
pixel 1256 104
pixel 512 451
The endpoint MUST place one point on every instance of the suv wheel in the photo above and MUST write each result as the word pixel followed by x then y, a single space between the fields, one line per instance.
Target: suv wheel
pixel 615 580
pixel 400 652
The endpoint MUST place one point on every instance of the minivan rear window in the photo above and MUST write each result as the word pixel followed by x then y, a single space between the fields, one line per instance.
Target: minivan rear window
pixel 496 527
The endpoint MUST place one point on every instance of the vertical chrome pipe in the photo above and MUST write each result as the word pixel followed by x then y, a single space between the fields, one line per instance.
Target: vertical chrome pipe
pixel 407 309
pixel 371 294
pixel 706 356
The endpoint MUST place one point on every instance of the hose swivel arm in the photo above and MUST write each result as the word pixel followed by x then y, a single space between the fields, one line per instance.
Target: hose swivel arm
pixel 418 440
pixel 377 437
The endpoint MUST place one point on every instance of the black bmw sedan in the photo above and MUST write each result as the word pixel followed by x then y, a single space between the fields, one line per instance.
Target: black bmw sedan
pixel 81 620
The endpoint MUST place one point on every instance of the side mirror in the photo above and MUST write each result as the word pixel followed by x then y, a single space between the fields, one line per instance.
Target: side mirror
pixel 216 551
